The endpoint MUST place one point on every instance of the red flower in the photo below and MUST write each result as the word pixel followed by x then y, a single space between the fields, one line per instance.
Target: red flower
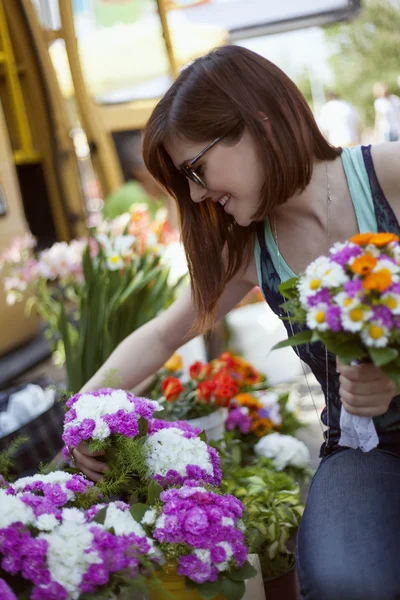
pixel 205 389
pixel 227 359
pixel 224 394
pixel 195 370
pixel 172 388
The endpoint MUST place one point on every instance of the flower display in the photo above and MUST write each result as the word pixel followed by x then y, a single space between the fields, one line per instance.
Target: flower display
pixel 100 288
pixel 200 529
pixel 64 558
pixel 174 456
pixel 211 386
pixel 284 450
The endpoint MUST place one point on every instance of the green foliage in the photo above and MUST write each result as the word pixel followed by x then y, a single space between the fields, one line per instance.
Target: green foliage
pixel 365 51
pixel 273 509
pixel 7 457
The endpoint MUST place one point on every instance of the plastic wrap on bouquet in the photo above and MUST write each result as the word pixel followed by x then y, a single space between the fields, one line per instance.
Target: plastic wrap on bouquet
pixel 357 432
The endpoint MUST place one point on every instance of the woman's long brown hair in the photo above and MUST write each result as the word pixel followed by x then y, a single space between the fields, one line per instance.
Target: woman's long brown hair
pixel 227 91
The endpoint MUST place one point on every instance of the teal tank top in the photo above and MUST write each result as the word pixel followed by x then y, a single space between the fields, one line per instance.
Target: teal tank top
pixel 373 213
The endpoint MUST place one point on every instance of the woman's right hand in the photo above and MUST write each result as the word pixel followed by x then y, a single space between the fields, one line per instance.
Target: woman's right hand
pixel 87 463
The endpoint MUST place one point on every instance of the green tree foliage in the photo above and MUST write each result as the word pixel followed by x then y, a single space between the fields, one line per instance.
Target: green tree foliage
pixel 364 51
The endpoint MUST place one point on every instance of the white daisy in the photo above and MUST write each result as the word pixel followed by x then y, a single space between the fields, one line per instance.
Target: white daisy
pixel 353 319
pixel 392 301
pixel 375 335
pixel 345 301
pixel 316 317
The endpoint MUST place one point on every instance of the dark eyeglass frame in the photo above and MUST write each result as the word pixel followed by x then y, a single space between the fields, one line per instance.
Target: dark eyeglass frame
pixel 188 171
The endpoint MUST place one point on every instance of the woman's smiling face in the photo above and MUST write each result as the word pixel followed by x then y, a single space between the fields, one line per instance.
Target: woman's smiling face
pixel 231 171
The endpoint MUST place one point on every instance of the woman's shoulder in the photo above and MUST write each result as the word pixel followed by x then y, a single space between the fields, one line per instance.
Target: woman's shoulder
pixel 386 159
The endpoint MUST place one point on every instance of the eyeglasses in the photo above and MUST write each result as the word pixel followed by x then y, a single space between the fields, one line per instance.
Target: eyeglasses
pixel 190 172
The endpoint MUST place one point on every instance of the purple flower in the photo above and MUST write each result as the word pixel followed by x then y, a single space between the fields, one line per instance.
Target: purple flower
pixel 354 287
pixel 70 416
pixel 238 419
pixel 198 571
pixel 157 424
pixel 321 297
pixel 382 315
pixel 395 288
pixel 5 592
pixel 78 484
pixel 52 591
pixel 333 318
pixel 196 520
pixel 343 256
pixel 263 413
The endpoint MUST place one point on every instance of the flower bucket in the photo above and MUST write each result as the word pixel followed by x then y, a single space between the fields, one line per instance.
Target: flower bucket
pixel 283 586
pixel 213 424
pixel 171 586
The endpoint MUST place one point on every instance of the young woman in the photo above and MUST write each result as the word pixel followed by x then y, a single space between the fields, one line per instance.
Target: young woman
pixel 260 195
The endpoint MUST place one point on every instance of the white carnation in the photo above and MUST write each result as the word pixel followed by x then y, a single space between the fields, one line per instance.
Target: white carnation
pixel 123 523
pixel 13 510
pixel 46 522
pixel 149 517
pixel 168 449
pixel 284 450
pixel 56 477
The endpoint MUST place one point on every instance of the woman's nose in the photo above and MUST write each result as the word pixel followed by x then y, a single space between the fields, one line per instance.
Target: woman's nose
pixel 197 193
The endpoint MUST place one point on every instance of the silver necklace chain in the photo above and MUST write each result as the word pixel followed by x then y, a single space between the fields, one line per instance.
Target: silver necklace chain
pixel 328 230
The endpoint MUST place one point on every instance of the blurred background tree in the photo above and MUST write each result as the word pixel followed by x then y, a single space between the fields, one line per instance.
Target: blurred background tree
pixel 365 51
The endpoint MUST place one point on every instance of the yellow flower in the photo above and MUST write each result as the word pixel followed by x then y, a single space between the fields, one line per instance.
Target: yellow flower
pixel 249 401
pixel 174 363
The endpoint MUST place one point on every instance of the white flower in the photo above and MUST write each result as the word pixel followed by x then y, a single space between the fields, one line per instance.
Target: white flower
pixel 149 517
pixel 284 450
pixel 345 301
pixel 270 402
pixel 222 566
pixel 227 521
pixel 316 317
pixel 203 555
pixel 375 335
pixel 69 555
pixel 353 319
pixel 13 510
pixel 46 522
pixel 322 273
pixel 123 523
pixel 59 477
pixel 392 301
pixel 168 449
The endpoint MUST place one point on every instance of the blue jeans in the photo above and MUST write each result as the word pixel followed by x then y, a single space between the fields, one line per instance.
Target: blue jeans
pixel 349 538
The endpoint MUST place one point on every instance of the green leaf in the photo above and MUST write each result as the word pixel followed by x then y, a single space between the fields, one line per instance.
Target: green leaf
pixel 247 571
pixel 143 426
pixel 383 356
pixel 153 492
pixel 137 511
pixel 203 437
pixel 288 289
pixel 303 337
pixel 234 590
pixel 101 516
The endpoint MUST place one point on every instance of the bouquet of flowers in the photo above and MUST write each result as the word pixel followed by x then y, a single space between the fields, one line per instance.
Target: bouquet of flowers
pixel 210 386
pixel 65 554
pixel 350 301
pixel 202 537
pixel 141 451
pixel 101 288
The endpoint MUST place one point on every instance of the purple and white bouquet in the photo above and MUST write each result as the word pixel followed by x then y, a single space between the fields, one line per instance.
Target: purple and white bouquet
pixel 75 553
pixel 175 455
pixel 201 535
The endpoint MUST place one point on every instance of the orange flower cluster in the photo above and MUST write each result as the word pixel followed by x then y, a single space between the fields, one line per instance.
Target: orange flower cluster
pixel 374 281
pixel 260 426
pixel 216 382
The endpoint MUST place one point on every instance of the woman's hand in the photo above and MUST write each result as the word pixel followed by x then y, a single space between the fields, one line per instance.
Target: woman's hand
pixel 365 390
pixel 87 463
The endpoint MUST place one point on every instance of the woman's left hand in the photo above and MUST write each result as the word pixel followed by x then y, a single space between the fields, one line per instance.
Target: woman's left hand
pixel 365 390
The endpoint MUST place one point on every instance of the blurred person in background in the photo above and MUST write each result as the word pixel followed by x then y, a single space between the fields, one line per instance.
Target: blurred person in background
pixel 339 121
pixel 387 114
pixel 140 186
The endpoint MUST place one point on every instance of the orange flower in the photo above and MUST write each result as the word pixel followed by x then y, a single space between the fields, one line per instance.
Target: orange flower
pixel 172 388
pixel 362 239
pixel 382 239
pixel 363 265
pixel 205 389
pixel 261 427
pixel 379 281
pixel 249 401
pixel 174 363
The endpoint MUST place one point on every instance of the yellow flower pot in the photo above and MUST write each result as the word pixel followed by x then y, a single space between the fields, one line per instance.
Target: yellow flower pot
pixel 172 586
